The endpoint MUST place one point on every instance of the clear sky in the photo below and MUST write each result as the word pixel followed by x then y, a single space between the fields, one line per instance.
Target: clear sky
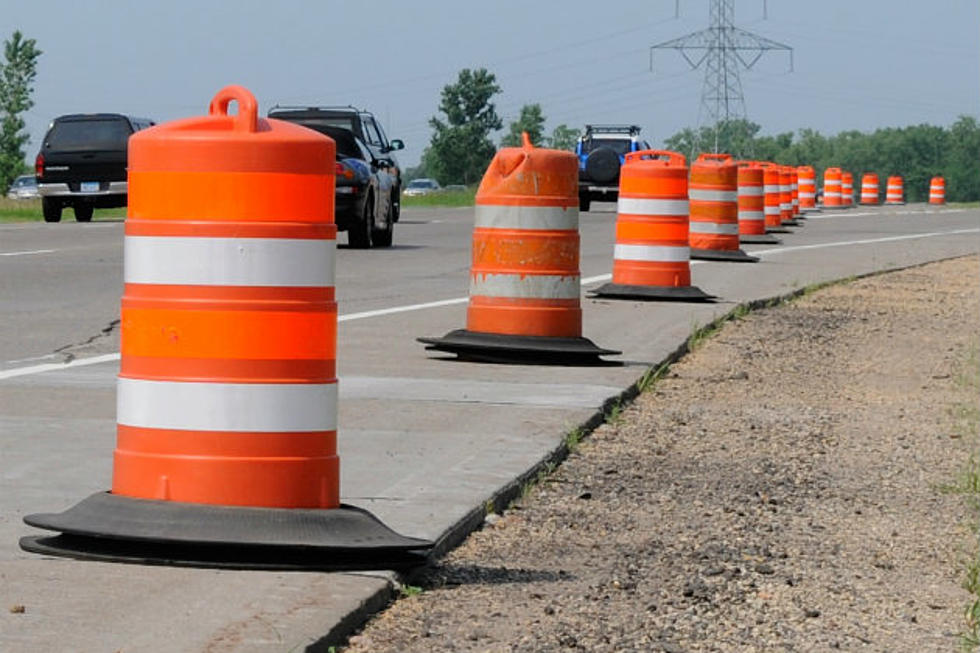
pixel 859 64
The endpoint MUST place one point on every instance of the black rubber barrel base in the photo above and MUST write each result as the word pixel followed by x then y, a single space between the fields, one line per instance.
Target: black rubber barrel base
pixel 114 528
pixel 736 255
pixel 813 210
pixel 758 239
pixel 792 222
pixel 501 348
pixel 652 293
pixel 836 208
pixel 778 230
pixel 894 203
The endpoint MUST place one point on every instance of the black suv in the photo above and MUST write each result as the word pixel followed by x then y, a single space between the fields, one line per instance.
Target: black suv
pixel 369 186
pixel 82 163
pixel 601 151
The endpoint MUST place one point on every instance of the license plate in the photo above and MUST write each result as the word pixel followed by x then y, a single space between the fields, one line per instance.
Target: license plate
pixel 90 187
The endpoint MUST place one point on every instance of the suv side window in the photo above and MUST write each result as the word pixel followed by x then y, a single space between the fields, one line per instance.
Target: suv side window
pixel 371 131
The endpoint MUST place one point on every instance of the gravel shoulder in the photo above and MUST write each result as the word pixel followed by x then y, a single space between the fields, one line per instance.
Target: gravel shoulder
pixel 781 489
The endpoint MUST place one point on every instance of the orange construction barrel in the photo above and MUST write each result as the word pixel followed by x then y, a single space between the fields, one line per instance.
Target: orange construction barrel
pixel 652 257
pixel 895 191
pixel 786 217
pixel 846 189
pixel 869 189
pixel 831 188
pixel 771 194
pixel 752 204
pixel 937 190
pixel 713 194
pixel 227 392
pixel 808 188
pixel 525 289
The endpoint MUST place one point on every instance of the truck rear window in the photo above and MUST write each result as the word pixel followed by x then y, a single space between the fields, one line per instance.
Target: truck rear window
pixel 88 135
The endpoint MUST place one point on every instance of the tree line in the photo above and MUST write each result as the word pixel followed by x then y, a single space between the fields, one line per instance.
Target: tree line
pixel 461 146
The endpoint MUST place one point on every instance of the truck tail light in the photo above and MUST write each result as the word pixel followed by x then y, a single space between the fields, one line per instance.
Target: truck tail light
pixel 39 165
pixel 342 170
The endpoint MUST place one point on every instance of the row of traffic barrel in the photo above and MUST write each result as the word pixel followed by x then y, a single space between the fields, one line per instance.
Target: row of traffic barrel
pixel 227 402
pixel 838 189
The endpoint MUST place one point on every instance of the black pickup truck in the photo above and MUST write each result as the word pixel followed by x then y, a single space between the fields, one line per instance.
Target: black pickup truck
pixel 82 163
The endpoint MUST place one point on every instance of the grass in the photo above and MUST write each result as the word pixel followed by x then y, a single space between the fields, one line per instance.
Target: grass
pixel 967 425
pixel 30 211
pixel 446 198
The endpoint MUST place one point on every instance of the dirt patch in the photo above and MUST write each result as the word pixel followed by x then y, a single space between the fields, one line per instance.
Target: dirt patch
pixel 780 490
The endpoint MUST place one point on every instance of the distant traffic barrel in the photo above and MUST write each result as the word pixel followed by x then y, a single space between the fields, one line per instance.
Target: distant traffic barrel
pixel 846 189
pixel 651 258
pixel 807 188
pixel 869 189
pixel 794 187
pixel 895 191
pixel 752 204
pixel 713 191
pixel 831 188
pixel 937 190
pixel 772 195
pixel 525 297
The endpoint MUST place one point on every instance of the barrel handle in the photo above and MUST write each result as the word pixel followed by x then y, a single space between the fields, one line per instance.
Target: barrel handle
pixel 673 158
pixel 711 156
pixel 248 109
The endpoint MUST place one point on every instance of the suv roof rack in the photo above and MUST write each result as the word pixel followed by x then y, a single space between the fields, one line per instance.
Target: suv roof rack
pixel 303 107
pixel 632 130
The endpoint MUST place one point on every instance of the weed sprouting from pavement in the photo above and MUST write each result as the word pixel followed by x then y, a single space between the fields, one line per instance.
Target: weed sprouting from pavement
pixel 409 590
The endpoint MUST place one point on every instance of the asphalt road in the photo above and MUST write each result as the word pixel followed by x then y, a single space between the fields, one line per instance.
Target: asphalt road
pixel 424 440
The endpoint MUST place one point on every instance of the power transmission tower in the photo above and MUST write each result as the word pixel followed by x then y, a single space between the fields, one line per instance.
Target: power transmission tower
pixel 724 50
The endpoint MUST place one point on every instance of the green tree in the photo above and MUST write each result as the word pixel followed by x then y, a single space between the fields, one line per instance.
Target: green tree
pixel 531 120
pixel 17 72
pixel 962 166
pixel 461 149
pixel 563 137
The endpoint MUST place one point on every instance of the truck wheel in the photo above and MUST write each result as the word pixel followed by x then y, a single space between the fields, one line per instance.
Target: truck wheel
pixel 396 203
pixel 51 209
pixel 382 237
pixel 359 234
pixel 583 203
pixel 602 165
pixel 83 212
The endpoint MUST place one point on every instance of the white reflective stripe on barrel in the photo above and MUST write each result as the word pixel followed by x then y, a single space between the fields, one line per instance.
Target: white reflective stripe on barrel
pixel 651 206
pixel 772 210
pixel 806 195
pixel 658 253
pixel 831 193
pixel 205 261
pixel 785 188
pixel 751 215
pixel 750 191
pixel 772 189
pixel 249 407
pixel 869 186
pixel 525 286
pixel 500 216
pixel 720 229
pixel 702 195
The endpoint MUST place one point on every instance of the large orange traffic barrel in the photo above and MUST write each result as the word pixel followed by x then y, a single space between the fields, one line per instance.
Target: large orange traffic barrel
pixel 713 194
pixel 525 289
pixel 226 445
pixel 808 188
pixel 831 188
pixel 751 204
pixel 846 189
pixel 937 190
pixel 794 184
pixel 651 258
pixel 869 188
pixel 895 190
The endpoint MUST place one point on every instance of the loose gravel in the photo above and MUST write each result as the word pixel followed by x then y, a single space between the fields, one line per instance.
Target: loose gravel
pixel 781 489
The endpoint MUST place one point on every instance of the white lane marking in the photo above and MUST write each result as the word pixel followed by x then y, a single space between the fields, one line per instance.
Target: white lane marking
pixel 51 367
pixel 28 252
pixel 37 369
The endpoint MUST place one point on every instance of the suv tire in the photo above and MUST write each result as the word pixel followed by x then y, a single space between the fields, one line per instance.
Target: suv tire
pixel 602 165
pixel 51 209
pixel 383 237
pixel 584 201
pixel 359 235
pixel 83 212
pixel 396 203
